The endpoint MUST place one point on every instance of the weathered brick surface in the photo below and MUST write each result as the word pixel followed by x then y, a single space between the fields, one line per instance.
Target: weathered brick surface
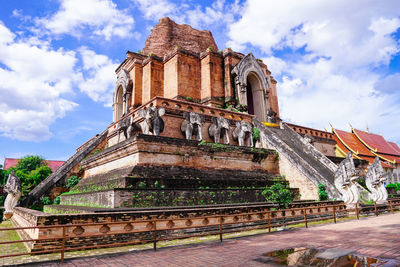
pixel 166 35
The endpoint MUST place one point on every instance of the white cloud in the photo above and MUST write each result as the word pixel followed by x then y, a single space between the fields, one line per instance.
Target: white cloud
pixel 219 12
pixel 156 9
pixel 99 77
pixel 34 79
pixel 275 64
pixel 332 51
pixel 101 16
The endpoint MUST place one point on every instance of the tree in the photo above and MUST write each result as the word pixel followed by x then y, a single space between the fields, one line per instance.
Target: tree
pixel 3 175
pixel 322 195
pixel 279 193
pixel 31 170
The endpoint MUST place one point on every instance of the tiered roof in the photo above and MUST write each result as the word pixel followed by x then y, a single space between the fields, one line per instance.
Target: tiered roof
pixel 367 146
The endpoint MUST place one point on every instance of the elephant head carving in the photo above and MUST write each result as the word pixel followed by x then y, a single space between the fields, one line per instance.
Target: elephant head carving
pixel 153 121
pixel 219 128
pixel 127 127
pixel 192 125
pixel 243 133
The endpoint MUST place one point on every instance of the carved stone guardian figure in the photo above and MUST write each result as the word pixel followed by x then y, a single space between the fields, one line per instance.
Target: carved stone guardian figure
pixel 374 180
pixel 13 188
pixel 243 133
pixel 219 128
pixel 192 125
pixel 153 121
pixel 345 183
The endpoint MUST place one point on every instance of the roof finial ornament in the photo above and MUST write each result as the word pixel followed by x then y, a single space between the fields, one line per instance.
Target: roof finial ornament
pixel 367 128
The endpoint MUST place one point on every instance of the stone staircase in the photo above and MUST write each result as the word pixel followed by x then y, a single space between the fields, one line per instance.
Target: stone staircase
pixel 57 176
pixel 302 155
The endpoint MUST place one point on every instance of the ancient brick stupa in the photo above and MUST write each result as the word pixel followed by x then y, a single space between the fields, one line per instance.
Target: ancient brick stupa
pixel 191 125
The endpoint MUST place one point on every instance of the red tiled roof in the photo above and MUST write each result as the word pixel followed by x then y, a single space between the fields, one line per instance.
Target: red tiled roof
pixel 53 164
pixel 8 163
pixel 376 143
pixel 371 160
pixel 348 141
pixel 351 142
pixel 394 146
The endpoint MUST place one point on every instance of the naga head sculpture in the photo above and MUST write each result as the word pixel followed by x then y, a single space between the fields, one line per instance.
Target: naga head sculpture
pixel 13 188
pixel 376 173
pixel 13 184
pixel 375 179
pixel 345 183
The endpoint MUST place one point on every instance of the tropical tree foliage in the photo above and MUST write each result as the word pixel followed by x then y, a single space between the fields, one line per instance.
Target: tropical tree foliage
pixel 279 193
pixel 31 170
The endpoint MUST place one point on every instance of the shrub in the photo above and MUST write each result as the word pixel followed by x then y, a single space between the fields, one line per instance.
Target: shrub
pixel 46 201
pixel 57 200
pixel 72 181
pixel 2 199
pixel 278 193
pixel 395 186
pixel 256 134
pixel 322 195
pixel 142 185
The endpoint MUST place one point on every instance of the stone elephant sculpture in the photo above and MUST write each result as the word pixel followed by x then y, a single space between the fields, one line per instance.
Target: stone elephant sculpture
pixel 192 125
pixel 219 128
pixel 13 188
pixel 243 133
pixel 126 126
pixel 153 121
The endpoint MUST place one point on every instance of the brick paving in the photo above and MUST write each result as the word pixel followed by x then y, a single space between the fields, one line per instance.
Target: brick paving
pixel 372 236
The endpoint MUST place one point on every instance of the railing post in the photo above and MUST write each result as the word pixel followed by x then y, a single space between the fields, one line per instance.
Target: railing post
pixel 269 221
pixel 305 217
pixel 154 235
pixel 63 244
pixel 375 208
pixel 220 228
pixel 358 217
pixel 334 214
pixel 391 206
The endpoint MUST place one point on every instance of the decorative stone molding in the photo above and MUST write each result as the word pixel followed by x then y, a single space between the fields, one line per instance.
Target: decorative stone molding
pixel 192 125
pixel 374 180
pixel 13 188
pixel 219 128
pixel 345 183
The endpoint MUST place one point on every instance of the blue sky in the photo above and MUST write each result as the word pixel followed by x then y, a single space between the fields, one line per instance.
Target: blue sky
pixel 335 61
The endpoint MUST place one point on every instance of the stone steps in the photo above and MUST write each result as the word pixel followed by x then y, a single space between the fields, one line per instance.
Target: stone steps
pixel 307 159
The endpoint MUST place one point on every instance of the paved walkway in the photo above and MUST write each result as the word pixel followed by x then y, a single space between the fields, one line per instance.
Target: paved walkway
pixel 373 236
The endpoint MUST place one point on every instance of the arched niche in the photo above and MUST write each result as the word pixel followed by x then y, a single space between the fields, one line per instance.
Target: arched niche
pixel 252 88
pixel 122 95
pixel 119 103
